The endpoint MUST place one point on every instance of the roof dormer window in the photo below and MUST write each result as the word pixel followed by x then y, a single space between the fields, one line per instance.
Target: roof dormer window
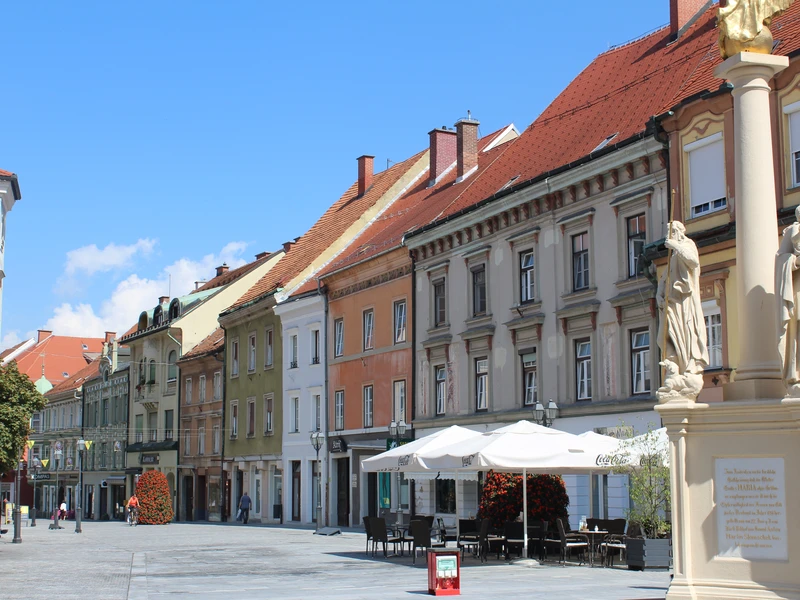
pixel 174 309
pixel 604 143
pixel 158 316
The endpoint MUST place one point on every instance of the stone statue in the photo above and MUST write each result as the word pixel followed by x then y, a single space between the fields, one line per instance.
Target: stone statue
pixel 686 354
pixel 743 25
pixel 787 291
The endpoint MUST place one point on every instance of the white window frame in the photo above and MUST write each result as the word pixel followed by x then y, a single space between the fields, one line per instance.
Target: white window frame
pixel 234 419
pixel 251 352
pixel 338 337
pixel 251 417
pixel 293 351
pixel 189 390
pixel 316 356
pixel 399 400
pixel 635 243
pixel 440 377
pixel 294 425
pixel 481 366
pixel 215 440
pixel 475 309
pixel 316 415
pixel 400 321
pixel 712 318
pixel 235 357
pixel 218 385
pixel 527 276
pixel 581 263
pixel 703 199
pixel 338 407
pixel 269 347
pixel 368 329
pixel 187 441
pixel 201 389
pixel 368 405
pixel 435 321
pixel 201 440
pixel 530 375
pixel 269 418
pixel 640 362
pixel 583 369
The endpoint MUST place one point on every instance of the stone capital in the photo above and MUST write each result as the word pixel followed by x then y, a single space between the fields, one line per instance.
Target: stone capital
pixel 751 64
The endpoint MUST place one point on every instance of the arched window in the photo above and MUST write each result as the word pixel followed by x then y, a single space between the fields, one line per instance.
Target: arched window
pixel 172 368
pixel 174 309
pixel 142 321
pixel 152 372
pixel 158 315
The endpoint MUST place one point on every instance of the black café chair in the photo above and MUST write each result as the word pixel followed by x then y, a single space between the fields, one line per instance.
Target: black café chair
pixel 422 539
pixel 514 534
pixel 381 535
pixel 569 542
pixel 368 530
pixel 537 532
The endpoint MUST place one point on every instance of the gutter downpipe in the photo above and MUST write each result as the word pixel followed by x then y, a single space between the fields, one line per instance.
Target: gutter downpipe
pixel 413 301
pixel 177 421
pixel 326 424
pixel 223 517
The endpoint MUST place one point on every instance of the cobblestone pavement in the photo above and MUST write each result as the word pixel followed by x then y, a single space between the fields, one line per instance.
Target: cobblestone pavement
pixel 242 562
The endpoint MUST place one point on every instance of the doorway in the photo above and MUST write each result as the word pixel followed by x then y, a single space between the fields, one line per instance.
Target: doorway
pixel 188 498
pixel 372 494
pixel 202 510
pixel 257 494
pixel 295 490
pixel 343 492
pixel 103 508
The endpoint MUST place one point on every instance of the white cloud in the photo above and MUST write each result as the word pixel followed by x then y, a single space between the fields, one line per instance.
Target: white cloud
pixel 91 259
pixel 134 294
pixel 11 338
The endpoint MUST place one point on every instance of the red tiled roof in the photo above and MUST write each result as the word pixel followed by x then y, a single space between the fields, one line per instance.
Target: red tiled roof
pixel 615 95
pixel 417 207
pixel 60 354
pixel 8 351
pixel 326 230
pixel 212 343
pixel 73 382
pixel 5 173
pixel 234 274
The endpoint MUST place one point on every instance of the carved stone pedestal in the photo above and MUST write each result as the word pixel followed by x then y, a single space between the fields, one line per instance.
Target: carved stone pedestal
pixel 735 498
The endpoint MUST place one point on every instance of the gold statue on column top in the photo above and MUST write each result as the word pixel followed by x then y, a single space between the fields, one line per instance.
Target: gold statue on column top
pixel 743 25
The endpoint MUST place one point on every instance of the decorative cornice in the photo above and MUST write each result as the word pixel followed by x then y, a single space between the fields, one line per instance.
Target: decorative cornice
pixel 371 282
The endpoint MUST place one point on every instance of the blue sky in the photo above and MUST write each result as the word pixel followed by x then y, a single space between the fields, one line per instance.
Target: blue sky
pixel 154 140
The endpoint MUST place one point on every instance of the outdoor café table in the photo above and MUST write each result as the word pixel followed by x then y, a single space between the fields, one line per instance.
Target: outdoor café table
pixel 400 532
pixel 595 537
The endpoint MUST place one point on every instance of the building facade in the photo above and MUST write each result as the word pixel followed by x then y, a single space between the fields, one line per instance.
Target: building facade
pixel 9 195
pixel 201 476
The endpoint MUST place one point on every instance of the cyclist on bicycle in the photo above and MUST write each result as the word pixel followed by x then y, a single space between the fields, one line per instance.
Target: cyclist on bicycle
pixel 133 508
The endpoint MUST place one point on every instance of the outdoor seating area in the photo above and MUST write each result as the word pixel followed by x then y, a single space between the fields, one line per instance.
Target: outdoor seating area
pixel 602 543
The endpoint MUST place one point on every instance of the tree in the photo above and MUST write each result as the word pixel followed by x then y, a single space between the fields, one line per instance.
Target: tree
pixel 155 500
pixel 645 460
pixel 501 498
pixel 19 399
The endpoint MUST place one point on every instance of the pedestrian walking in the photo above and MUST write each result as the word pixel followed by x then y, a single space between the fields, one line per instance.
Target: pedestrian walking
pixel 244 506
pixel 63 509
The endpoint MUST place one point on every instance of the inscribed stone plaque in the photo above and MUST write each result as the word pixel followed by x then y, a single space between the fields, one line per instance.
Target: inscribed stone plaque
pixel 751 508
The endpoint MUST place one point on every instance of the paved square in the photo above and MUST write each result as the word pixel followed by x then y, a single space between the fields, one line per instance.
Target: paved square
pixel 237 562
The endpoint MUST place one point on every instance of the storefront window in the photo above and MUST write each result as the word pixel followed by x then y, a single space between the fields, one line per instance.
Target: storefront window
pixel 384 490
pixel 445 496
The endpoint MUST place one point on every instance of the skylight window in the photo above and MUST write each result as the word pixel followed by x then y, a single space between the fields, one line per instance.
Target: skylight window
pixel 65 374
pixel 85 347
pixel 604 143
pixel 509 183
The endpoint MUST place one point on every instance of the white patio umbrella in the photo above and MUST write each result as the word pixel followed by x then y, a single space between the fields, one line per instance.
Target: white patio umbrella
pixel 521 447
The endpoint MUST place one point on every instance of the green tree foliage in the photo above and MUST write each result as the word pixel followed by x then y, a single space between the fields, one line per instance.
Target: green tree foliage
pixel 155 501
pixel 19 399
pixel 501 498
pixel 645 459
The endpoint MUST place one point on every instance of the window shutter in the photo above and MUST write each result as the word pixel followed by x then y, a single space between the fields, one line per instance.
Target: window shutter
pixel 794 131
pixel 707 173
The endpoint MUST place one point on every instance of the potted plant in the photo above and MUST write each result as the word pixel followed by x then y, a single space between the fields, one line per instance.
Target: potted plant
pixel 645 460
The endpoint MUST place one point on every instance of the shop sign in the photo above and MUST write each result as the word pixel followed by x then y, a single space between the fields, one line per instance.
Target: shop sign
pixel 393 443
pixel 338 445
pixel 149 459
pixel 39 476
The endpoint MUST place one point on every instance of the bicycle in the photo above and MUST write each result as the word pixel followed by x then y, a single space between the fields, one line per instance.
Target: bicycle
pixel 133 516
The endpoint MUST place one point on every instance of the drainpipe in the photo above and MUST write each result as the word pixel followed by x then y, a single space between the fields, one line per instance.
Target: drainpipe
pixel 223 517
pixel 326 425
pixel 177 421
pixel 413 337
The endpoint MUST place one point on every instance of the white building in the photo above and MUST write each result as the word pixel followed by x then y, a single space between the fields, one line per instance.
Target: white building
pixel 9 194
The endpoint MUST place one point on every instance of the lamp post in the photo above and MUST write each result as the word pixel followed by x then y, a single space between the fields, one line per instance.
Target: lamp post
pixel 317 439
pixel 57 453
pixel 79 494
pixel 17 512
pixel 545 416
pixel 34 466
pixel 397 431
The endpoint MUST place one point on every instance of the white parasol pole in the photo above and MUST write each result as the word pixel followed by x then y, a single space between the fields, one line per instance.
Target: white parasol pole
pixel 524 513
pixel 458 508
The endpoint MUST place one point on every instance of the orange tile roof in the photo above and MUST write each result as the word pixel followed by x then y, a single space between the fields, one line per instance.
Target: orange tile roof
pixel 213 343
pixel 234 274
pixel 8 351
pixel 5 173
pixel 614 95
pixel 73 382
pixel 60 354
pixel 344 212
pixel 417 207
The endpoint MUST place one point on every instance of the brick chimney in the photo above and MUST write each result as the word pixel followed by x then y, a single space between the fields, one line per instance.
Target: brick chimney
pixel 467 146
pixel 442 152
pixel 683 12
pixel 261 255
pixel 163 299
pixel 223 268
pixel 365 166
pixel 43 335
pixel 110 335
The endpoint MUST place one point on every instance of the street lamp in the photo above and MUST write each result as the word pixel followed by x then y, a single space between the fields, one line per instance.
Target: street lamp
pixel 17 512
pixel 79 494
pixel 57 453
pixel 317 439
pixel 34 466
pixel 397 431
pixel 545 416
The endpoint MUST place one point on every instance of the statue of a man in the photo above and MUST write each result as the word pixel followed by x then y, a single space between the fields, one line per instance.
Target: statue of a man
pixel 686 353
pixel 744 25
pixel 787 291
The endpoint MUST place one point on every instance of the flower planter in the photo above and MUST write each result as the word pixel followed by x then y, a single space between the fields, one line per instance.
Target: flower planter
pixel 648 553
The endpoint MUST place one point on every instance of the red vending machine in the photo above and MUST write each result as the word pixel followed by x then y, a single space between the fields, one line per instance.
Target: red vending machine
pixel 444 572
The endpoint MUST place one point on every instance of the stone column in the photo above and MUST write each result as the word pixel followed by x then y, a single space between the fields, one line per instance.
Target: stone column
pixel 758 374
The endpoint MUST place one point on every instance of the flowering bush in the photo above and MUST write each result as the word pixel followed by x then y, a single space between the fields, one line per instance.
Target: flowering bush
pixel 155 500
pixel 501 498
